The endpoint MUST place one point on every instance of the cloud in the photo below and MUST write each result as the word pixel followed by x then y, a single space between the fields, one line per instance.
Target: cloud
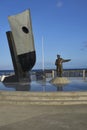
pixel 59 4
pixel 82 49
pixel 84 46
pixel 85 42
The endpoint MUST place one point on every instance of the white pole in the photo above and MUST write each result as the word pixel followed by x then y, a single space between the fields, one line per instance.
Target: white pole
pixel 84 74
pixel 52 73
pixel 42 55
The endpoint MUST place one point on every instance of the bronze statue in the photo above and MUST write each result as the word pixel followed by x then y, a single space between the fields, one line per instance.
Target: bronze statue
pixel 59 67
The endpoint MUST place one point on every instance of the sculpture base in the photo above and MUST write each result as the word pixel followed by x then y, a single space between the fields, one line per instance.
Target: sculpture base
pixel 59 81
pixel 14 79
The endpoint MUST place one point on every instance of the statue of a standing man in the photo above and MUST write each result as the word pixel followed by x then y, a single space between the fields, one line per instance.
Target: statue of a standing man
pixel 59 67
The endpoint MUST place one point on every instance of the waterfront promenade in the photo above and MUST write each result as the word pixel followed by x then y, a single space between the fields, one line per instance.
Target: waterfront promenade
pixel 39 117
pixel 43 111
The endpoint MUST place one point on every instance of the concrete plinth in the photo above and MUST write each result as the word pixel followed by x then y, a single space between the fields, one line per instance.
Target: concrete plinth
pixel 14 79
pixel 60 81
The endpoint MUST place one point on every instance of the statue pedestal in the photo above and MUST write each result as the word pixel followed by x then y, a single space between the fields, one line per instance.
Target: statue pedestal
pixel 14 79
pixel 60 81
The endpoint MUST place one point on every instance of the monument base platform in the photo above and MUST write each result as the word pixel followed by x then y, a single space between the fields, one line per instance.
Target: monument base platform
pixel 60 81
pixel 14 79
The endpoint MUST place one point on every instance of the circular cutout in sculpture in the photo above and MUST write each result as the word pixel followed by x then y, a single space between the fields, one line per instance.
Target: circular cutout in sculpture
pixel 25 29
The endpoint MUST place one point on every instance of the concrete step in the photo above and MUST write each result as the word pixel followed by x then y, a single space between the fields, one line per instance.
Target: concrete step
pixel 24 93
pixel 43 98
pixel 43 103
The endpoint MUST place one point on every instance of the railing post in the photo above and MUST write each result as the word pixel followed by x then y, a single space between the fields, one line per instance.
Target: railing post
pixel 84 74
pixel 52 73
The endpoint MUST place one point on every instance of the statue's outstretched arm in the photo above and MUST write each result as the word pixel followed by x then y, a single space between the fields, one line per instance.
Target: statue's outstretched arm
pixel 66 60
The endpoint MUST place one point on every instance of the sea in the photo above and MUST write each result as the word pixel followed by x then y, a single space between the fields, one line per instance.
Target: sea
pixel 40 84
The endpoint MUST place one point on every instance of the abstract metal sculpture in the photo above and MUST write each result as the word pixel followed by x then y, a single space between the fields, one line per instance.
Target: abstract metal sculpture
pixel 21 44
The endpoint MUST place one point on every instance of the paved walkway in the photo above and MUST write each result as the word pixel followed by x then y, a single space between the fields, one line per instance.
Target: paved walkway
pixel 34 117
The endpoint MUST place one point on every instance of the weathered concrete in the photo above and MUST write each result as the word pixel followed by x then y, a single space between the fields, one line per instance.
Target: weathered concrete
pixel 33 117
pixel 60 81
pixel 43 98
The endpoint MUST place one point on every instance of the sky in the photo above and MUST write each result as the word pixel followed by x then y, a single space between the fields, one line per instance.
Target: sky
pixel 62 24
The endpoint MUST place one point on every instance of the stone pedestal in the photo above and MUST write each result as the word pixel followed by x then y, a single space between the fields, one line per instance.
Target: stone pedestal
pixel 15 79
pixel 60 81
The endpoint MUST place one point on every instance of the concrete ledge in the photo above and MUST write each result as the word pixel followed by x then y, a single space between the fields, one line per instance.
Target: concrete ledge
pixel 43 103
pixel 43 98
pixel 21 93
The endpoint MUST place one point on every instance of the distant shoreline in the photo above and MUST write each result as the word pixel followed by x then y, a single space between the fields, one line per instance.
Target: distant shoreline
pixel 46 69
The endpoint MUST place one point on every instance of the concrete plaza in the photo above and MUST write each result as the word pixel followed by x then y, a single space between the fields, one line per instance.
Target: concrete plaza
pixel 43 117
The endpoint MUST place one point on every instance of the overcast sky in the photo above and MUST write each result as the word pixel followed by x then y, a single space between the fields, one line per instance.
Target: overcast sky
pixel 61 23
